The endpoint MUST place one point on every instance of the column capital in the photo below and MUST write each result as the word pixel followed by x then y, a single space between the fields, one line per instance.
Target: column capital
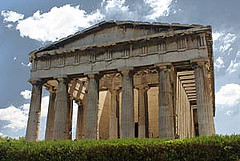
pixel 125 71
pixel 142 87
pixel 92 75
pixel 79 102
pixel 70 97
pixel 199 62
pixel 35 81
pixel 62 79
pixel 114 89
pixel 163 66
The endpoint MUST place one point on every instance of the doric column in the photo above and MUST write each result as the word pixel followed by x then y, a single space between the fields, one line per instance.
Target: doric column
pixel 91 125
pixel 113 120
pixel 127 111
pixel 51 114
pixel 192 122
pixel 166 115
pixel 35 111
pixel 61 122
pixel 181 112
pixel 204 108
pixel 142 111
pixel 184 114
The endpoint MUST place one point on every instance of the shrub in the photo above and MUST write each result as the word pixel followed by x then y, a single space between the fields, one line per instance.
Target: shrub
pixel 220 148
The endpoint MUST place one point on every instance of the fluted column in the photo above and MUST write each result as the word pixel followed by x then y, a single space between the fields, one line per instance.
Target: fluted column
pixel 166 115
pixel 113 120
pixel 51 114
pixel 127 111
pixel 204 108
pixel 91 125
pixel 192 123
pixel 34 112
pixel 61 122
pixel 142 111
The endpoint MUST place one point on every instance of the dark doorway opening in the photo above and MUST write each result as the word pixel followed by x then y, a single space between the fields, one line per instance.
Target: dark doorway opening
pixel 195 119
pixel 136 129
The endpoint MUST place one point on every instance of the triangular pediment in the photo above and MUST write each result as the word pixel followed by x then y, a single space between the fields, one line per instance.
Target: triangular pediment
pixel 113 31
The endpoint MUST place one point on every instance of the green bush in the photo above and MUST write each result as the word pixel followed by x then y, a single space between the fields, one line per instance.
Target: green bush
pixel 220 148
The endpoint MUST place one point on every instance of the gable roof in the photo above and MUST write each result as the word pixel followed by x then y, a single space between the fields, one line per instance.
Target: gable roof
pixel 107 24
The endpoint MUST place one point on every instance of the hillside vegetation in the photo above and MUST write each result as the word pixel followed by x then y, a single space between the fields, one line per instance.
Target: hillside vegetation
pixel 220 148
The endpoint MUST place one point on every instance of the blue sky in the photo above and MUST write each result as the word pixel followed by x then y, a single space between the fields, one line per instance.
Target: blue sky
pixel 27 25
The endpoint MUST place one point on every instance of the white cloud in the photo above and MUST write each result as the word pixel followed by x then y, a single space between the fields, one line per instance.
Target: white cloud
pixel 26 94
pixel 227 40
pixel 233 67
pixel 1 134
pixel 26 65
pixel 227 56
pixel 219 63
pixel 9 26
pixel 216 35
pixel 158 8
pixel 11 16
pixel 228 95
pixel 117 9
pixel 25 107
pixel 115 5
pixel 229 113
pixel 222 41
pixel 59 22
pixel 234 64
pixel 62 21
pixel 16 117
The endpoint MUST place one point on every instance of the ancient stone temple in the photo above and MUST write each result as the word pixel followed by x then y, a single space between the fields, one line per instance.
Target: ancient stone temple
pixel 129 79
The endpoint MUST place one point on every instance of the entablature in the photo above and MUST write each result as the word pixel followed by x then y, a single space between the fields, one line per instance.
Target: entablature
pixel 129 50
